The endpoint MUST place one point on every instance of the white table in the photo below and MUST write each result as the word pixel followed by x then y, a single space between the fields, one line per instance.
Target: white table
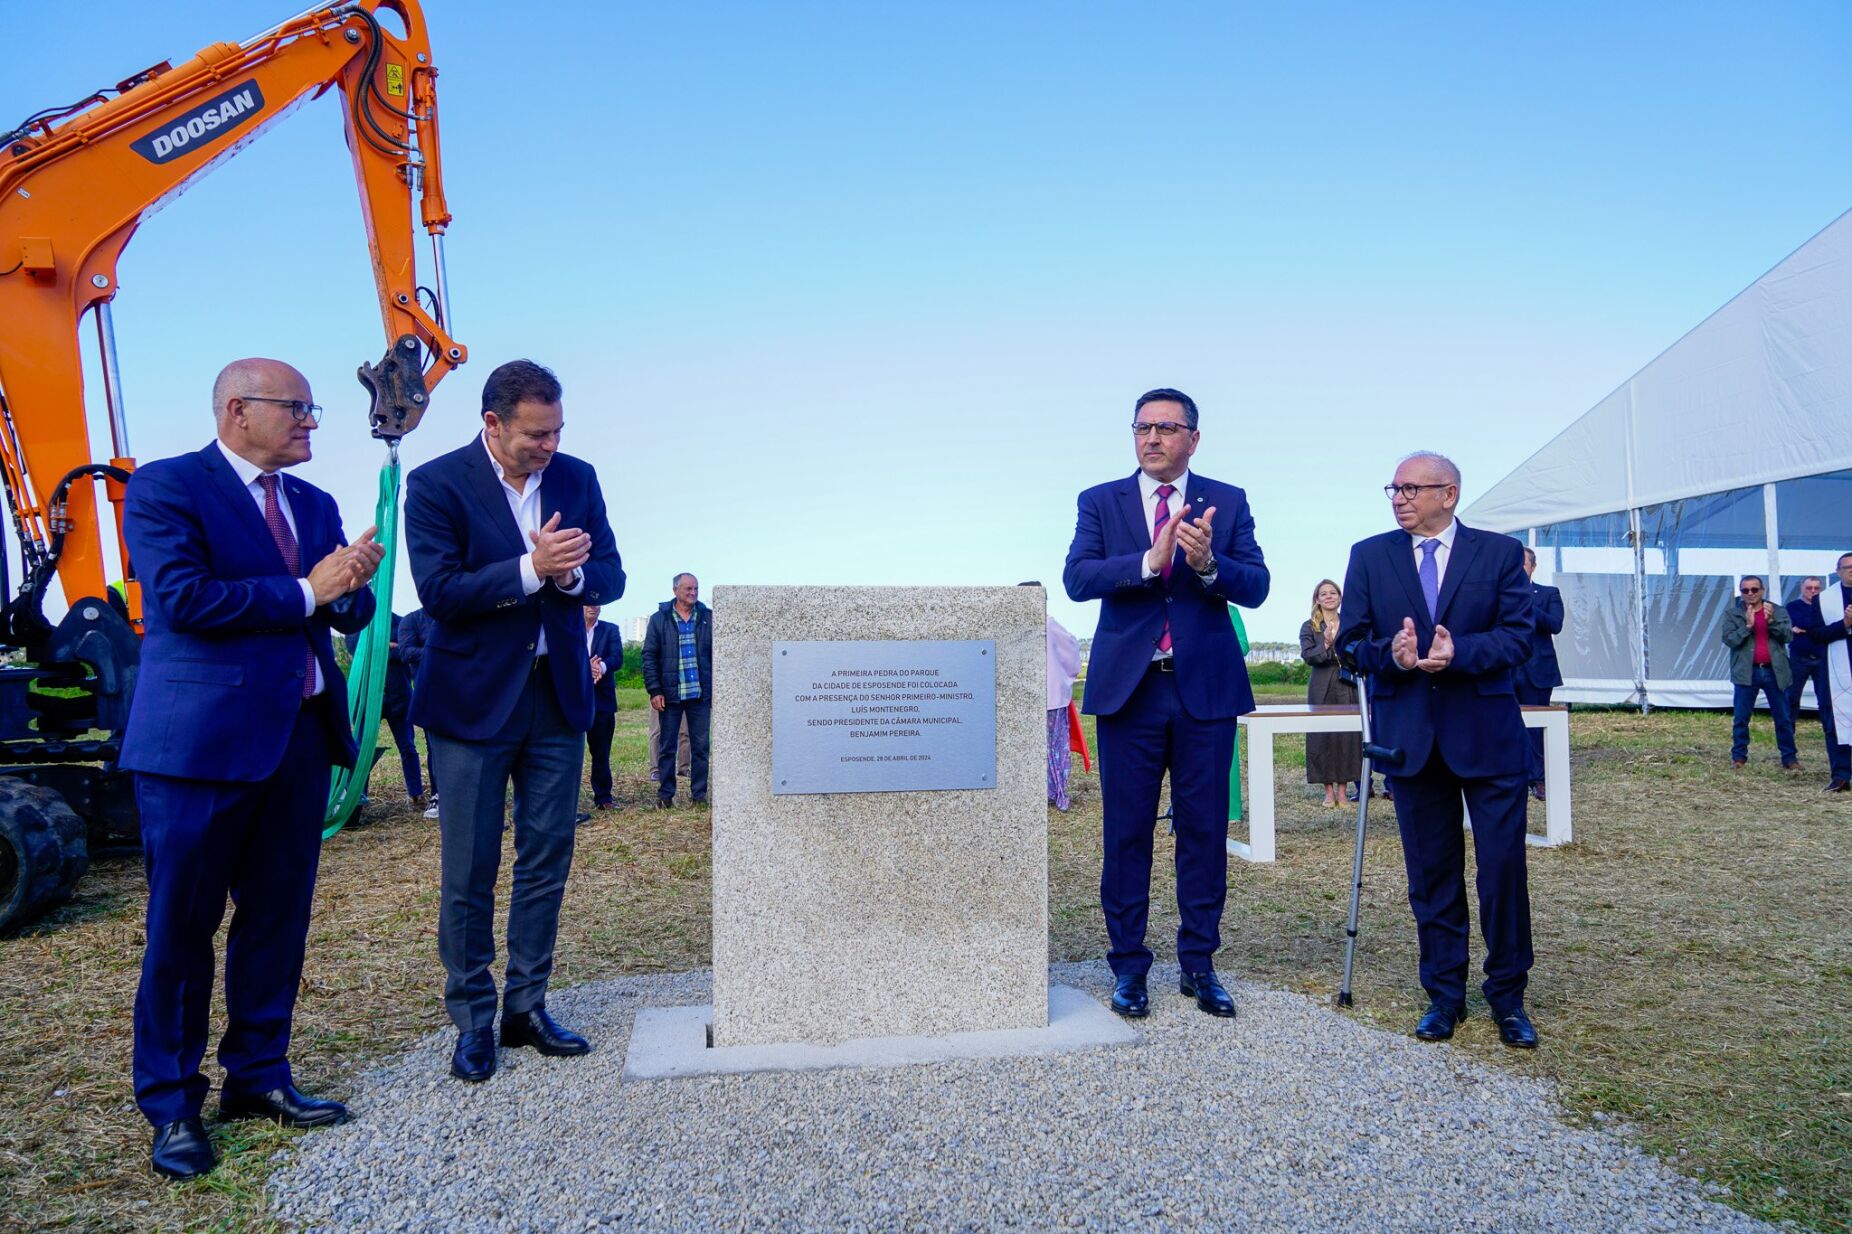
pixel 1264 723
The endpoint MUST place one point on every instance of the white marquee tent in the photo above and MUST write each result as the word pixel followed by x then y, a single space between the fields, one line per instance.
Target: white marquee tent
pixel 1730 454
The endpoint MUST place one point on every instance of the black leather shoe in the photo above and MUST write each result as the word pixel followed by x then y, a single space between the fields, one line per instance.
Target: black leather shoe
pixel 182 1150
pixel 1536 789
pixel 1839 786
pixel 538 1029
pixel 474 1059
pixel 1437 1022
pixel 580 819
pixel 1210 997
pixel 1129 998
pixel 1516 1031
pixel 283 1105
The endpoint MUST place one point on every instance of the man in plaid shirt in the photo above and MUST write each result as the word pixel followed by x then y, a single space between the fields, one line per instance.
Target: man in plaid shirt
pixel 678 672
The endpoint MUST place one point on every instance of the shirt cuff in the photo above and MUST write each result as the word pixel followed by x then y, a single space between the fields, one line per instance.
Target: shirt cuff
pixel 1208 580
pixel 530 579
pixel 308 597
pixel 578 583
pixel 1144 568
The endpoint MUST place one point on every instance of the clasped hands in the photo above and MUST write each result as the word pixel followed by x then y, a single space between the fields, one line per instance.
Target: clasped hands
pixel 560 551
pixel 1195 538
pixel 347 569
pixel 1404 648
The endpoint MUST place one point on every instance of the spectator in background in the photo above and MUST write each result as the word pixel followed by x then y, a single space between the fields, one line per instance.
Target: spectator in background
pixel 413 630
pixel 682 753
pixel 1829 626
pixel 1539 675
pixel 1805 660
pixel 1757 634
pixel 1331 759
pixel 1063 668
pixel 606 646
pixel 678 672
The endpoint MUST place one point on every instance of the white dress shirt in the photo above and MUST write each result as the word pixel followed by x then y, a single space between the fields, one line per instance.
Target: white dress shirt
pixel 524 504
pixel 1441 554
pixel 248 474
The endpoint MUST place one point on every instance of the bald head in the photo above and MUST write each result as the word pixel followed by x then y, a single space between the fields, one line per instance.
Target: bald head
pixel 1425 490
pixel 1434 468
pixel 252 376
pixel 254 402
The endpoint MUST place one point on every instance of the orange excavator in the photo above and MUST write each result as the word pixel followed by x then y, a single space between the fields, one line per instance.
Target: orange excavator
pixel 75 183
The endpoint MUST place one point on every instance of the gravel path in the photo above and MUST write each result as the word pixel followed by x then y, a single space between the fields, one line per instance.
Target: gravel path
pixel 1293 1118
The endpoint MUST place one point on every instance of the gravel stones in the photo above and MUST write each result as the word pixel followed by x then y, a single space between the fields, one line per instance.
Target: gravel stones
pixel 1289 1118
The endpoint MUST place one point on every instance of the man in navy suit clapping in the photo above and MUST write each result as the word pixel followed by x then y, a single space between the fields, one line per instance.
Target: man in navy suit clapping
pixel 239 713
pixel 1165 551
pixel 1439 616
pixel 509 543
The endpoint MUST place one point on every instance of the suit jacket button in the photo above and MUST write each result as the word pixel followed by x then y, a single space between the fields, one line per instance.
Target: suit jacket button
pixel 300 672
pixel 530 646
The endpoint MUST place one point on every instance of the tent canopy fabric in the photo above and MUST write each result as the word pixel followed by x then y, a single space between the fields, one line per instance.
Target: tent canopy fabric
pixel 1776 360
pixel 1729 454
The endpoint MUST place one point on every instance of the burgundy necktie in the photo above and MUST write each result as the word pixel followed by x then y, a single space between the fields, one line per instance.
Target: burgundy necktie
pixel 1157 530
pixel 292 557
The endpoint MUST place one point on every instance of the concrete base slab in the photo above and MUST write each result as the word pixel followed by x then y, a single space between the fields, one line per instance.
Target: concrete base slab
pixel 667 1042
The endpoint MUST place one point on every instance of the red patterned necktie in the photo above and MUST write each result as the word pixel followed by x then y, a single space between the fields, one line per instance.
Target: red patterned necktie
pixel 292 557
pixel 1157 529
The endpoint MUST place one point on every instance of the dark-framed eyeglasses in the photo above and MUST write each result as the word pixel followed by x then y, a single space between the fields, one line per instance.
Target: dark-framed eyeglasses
pixel 1163 428
pixel 1752 591
pixel 1407 491
pixel 299 411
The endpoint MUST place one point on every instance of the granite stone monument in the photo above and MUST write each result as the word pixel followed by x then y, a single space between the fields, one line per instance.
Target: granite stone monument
pixel 880 827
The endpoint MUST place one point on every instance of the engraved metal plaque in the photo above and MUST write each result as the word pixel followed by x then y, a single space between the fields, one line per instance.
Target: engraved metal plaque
pixel 891 716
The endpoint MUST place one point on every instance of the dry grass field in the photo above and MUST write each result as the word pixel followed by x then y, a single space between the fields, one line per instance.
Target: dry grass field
pixel 1691 981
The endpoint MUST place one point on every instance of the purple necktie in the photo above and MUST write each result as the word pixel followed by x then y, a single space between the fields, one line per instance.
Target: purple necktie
pixel 1430 577
pixel 1157 529
pixel 292 557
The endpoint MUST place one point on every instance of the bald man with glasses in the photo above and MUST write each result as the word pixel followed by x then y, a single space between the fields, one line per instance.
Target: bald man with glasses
pixel 239 712
pixel 1440 616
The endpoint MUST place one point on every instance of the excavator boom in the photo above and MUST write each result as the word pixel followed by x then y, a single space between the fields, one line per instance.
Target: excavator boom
pixel 76 183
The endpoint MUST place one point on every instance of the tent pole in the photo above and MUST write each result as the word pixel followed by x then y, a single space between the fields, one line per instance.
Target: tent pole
pixel 1774 542
pixel 1639 613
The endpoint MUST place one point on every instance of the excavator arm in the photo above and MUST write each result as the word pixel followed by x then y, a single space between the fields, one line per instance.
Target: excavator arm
pixel 75 183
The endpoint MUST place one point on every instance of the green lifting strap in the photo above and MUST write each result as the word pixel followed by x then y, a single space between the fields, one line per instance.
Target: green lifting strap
pixel 366 680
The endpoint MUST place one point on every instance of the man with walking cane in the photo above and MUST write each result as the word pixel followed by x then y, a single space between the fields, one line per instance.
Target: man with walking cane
pixel 1439 616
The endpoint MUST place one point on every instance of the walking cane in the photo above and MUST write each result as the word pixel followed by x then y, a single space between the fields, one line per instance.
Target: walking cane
pixel 1372 753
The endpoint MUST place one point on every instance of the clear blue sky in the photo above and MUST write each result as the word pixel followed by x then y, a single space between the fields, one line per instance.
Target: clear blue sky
pixel 863 293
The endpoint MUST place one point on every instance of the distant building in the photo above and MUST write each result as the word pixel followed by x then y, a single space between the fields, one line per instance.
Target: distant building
pixel 1273 653
pixel 639 626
